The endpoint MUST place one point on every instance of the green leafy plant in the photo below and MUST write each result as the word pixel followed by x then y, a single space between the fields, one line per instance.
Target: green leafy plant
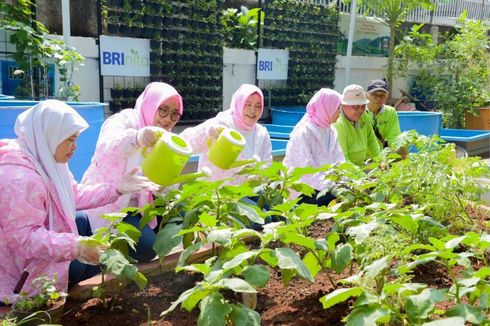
pixel 117 238
pixel 34 49
pixel 47 295
pixel 453 74
pixel 240 28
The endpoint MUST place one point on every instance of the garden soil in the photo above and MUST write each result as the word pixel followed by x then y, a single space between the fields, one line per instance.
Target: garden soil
pixel 295 304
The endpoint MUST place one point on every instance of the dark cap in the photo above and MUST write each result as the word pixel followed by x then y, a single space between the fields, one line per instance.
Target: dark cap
pixel 377 85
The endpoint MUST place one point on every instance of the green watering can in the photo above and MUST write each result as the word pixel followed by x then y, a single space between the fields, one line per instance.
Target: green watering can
pixel 225 150
pixel 166 160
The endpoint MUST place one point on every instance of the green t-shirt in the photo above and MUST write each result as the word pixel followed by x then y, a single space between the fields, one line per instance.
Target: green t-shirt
pixel 357 140
pixel 387 125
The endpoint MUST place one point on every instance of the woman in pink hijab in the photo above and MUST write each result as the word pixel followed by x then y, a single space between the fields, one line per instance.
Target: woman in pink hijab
pixel 313 142
pixel 118 151
pixel 245 110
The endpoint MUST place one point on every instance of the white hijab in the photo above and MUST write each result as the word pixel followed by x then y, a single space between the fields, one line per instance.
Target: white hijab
pixel 40 130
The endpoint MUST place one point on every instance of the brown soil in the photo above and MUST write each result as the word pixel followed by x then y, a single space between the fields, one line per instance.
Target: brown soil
pixel 295 304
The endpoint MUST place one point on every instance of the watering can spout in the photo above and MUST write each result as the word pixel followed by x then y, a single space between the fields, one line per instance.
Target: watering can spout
pixel 205 172
pixel 236 164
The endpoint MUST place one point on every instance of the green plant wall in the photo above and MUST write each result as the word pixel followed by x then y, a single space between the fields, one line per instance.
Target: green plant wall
pixel 310 33
pixel 186 46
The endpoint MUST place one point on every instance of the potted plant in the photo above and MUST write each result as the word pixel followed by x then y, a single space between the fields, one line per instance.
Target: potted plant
pixel 45 307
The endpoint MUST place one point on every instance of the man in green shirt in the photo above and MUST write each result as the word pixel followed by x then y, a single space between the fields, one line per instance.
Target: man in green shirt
pixel 384 118
pixel 354 130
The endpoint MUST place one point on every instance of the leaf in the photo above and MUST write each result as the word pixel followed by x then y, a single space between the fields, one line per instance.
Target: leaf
pixel 199 268
pixel 288 259
pixel 362 231
pixel 244 316
pixel 284 207
pixel 236 284
pixel 376 267
pixel 453 321
pixel 301 240
pixel 420 261
pixel 287 275
pixel 410 289
pixel 195 297
pixel 207 219
pixel 332 239
pixel 470 314
pixel 312 264
pixel 188 252
pixel 140 280
pixel 221 236
pixel 214 310
pixel 269 256
pixel 368 316
pixel 406 222
pixel 341 257
pixel 238 260
pixel 167 239
pixel 129 229
pixel 453 243
pixel 249 212
pixel 483 272
pixel 419 306
pixel 114 261
pixel 339 295
pixel 257 275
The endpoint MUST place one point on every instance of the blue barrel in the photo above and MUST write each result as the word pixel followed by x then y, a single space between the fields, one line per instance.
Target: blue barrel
pixel 93 112
pixel 425 123
pixel 287 115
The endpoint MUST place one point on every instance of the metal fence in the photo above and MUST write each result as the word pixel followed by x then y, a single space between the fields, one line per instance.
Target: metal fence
pixel 446 12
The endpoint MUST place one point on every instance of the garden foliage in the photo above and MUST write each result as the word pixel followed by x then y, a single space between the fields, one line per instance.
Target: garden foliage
pixel 390 217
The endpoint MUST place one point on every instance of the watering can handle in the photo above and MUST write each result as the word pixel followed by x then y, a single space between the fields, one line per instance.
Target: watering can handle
pixel 144 150
pixel 211 140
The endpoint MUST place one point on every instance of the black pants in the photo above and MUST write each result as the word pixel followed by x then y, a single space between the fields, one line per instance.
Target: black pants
pixel 321 201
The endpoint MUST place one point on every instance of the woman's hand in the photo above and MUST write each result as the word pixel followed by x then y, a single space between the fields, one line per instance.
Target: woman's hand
pixel 148 136
pixel 213 133
pixel 88 250
pixel 133 182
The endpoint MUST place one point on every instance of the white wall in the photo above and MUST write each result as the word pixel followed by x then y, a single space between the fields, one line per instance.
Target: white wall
pixel 365 69
pixel 87 76
pixel 238 68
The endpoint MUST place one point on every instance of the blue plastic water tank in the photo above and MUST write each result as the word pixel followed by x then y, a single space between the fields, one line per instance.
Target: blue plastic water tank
pixel 287 115
pixel 425 123
pixel 93 112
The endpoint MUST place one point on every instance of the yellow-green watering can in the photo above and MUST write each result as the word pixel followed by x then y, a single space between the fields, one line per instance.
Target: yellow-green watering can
pixel 166 160
pixel 226 149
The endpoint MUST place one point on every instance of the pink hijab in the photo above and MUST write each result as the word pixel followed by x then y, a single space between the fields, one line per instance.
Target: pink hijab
pixel 148 102
pixel 322 106
pixel 238 103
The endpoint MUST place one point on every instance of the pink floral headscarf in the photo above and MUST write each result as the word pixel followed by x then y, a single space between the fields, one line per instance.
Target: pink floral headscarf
pixel 148 102
pixel 322 107
pixel 238 103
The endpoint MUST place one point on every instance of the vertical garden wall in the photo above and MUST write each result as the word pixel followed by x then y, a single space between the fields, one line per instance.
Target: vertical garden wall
pixel 186 46
pixel 310 33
